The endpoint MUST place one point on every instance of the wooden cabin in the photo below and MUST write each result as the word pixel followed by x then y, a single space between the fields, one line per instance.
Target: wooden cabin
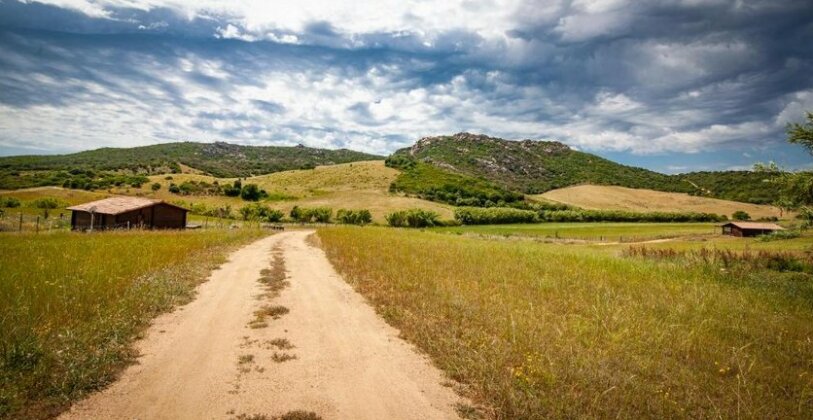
pixel 747 229
pixel 127 212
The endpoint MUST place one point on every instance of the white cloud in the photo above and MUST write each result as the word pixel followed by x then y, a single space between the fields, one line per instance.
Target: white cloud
pixel 259 18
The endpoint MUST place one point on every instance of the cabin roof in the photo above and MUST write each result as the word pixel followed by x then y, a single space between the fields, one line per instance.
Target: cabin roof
pixel 119 205
pixel 755 225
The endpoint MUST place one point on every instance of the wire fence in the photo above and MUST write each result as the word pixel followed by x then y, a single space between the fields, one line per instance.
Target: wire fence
pixel 23 222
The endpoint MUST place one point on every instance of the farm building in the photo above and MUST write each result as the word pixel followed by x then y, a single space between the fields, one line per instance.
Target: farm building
pixel 123 212
pixel 744 229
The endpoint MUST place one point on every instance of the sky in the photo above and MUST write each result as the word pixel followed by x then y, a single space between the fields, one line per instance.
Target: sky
pixel 672 85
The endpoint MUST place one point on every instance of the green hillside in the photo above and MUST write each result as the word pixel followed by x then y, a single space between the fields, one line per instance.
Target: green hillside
pixel 533 167
pixel 218 159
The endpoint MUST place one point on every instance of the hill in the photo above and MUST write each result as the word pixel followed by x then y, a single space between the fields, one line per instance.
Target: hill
pixel 357 185
pixel 217 159
pixel 597 197
pixel 534 167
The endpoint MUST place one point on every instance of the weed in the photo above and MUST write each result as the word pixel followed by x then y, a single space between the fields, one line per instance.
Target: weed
pixel 291 415
pixel 245 358
pixel 282 357
pixel 280 343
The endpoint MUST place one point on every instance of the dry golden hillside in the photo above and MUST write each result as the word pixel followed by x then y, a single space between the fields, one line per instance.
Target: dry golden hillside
pixel 358 185
pixel 621 198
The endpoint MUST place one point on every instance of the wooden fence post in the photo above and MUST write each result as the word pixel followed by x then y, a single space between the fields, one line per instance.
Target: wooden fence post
pixel 38 225
pixel 21 221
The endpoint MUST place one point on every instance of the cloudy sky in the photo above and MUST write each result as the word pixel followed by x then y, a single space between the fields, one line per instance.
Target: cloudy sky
pixel 672 85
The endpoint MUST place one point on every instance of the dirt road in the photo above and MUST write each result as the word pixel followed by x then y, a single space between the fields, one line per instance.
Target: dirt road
pixel 203 361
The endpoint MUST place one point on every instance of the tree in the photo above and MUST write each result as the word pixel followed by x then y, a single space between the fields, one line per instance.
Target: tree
pixel 795 188
pixel 741 215
pixel 251 192
pixel 155 187
pixel 802 133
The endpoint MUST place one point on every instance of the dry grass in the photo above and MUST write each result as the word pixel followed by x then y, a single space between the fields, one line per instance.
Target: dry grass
pixel 550 331
pixel 358 185
pixel 282 357
pixel 291 415
pixel 621 198
pixel 73 303
pixel 71 197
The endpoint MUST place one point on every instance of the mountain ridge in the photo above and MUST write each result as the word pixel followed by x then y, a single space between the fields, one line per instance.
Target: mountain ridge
pixel 536 166
pixel 219 159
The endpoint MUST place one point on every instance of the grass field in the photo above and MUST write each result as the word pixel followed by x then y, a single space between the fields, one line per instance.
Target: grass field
pixel 359 185
pixel 72 304
pixel 619 198
pixel 535 330
pixel 623 232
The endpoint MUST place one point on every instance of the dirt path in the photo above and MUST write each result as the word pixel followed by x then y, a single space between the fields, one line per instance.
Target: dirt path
pixel 204 362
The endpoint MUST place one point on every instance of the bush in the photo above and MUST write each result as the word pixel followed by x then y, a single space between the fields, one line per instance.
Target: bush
pixel 9 202
pixel 309 215
pixel 155 186
pixel 48 203
pixel 174 188
pixel 494 215
pixel 321 214
pixel 741 215
pixel 251 192
pixel 779 235
pixel 231 190
pixel 354 217
pixel 261 213
pixel 415 218
pixel 625 216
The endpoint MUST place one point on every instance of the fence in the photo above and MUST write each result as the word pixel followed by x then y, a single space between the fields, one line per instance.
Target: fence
pixel 24 222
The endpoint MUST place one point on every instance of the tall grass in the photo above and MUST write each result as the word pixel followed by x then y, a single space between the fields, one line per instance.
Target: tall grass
pixel 549 331
pixel 72 304
pixel 623 232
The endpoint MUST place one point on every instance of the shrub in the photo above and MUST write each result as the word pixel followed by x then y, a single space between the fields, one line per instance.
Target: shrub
pixel 779 235
pixel 231 190
pixel 308 215
pixel 9 202
pixel 494 215
pixel 624 216
pixel 173 188
pixel 261 213
pixel 155 186
pixel 251 192
pixel 415 218
pixel 354 217
pixel 321 214
pixel 47 203
pixel 741 215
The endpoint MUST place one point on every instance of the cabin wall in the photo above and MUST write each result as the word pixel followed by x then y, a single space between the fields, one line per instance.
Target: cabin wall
pixel 160 216
pixel 80 220
pixel 168 217
pixel 135 218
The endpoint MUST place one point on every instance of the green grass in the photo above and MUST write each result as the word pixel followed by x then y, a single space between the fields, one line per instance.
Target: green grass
pixel 590 231
pixel 535 330
pixel 73 303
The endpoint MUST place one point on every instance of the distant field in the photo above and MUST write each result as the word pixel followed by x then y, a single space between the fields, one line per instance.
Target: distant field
pixel 620 198
pixel 590 231
pixel 68 196
pixel 358 185
pixel 535 330
pixel 72 303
